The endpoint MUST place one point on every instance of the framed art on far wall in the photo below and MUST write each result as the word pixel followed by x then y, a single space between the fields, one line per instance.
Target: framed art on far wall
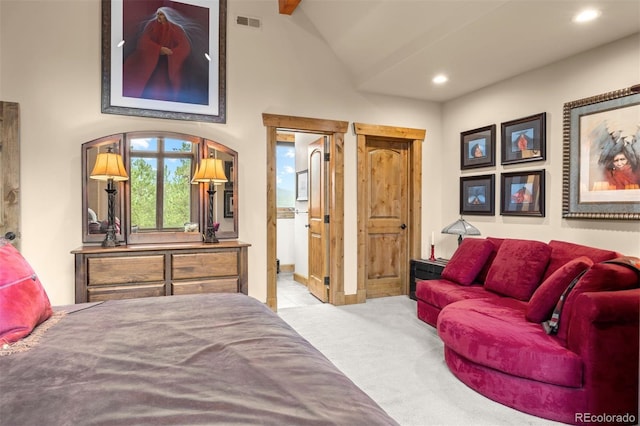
pixel 601 163
pixel 477 147
pixel 301 185
pixel 477 195
pixel 522 193
pixel 183 80
pixel 524 139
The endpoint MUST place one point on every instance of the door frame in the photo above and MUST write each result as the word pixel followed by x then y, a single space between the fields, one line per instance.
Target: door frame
pixel 336 131
pixel 413 138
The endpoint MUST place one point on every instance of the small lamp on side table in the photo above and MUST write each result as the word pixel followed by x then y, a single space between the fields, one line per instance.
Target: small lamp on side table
pixel 460 227
pixel 109 167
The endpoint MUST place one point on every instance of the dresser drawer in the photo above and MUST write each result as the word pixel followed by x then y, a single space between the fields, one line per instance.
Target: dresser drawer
pixel 126 269
pixel 98 294
pixel 204 265
pixel 224 285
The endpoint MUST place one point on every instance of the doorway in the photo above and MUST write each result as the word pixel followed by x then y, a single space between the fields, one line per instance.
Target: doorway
pixel 334 131
pixel 389 207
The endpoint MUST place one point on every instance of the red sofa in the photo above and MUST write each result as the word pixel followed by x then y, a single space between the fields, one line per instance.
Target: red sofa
pixel 489 306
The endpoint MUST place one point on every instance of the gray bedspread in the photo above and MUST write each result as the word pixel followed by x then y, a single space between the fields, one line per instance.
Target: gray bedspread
pixel 179 360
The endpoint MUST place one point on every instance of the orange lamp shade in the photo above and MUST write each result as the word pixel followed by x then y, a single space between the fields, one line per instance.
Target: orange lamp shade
pixel 210 170
pixel 109 165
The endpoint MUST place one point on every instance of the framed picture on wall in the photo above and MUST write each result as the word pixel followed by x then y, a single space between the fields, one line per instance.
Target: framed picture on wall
pixel 601 164
pixel 524 139
pixel 477 195
pixel 522 193
pixel 183 80
pixel 301 185
pixel 477 147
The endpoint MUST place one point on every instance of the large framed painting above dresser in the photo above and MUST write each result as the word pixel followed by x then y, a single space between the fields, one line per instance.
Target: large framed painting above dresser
pixel 134 271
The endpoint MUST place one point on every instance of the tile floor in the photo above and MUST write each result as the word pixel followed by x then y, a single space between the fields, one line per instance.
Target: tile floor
pixel 292 294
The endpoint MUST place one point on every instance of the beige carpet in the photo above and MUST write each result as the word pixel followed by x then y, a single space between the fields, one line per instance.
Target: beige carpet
pixel 397 359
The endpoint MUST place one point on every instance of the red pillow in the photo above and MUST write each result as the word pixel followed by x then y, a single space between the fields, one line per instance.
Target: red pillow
pixel 546 296
pixel 23 302
pixel 467 261
pixel 600 277
pixel 482 276
pixel 563 251
pixel 518 267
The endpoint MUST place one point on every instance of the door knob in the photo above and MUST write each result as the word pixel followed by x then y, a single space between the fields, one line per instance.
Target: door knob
pixel 403 226
pixel 307 225
pixel 10 236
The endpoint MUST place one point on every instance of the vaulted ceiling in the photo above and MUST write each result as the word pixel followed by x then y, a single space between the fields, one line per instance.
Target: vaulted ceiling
pixel 396 47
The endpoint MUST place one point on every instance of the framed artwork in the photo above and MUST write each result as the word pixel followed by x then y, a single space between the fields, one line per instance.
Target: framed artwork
pixel 301 185
pixel 477 195
pixel 601 162
pixel 228 204
pixel 228 170
pixel 185 79
pixel 524 139
pixel 522 193
pixel 477 147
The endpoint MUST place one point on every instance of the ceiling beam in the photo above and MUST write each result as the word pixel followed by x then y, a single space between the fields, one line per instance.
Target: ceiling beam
pixel 288 6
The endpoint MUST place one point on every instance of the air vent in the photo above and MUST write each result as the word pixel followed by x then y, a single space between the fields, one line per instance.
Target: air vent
pixel 247 21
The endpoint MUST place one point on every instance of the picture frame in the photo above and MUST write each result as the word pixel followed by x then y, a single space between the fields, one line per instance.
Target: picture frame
pixel 524 139
pixel 228 204
pixel 522 193
pixel 477 195
pixel 477 147
pixel 595 131
pixel 134 84
pixel 301 185
pixel 228 170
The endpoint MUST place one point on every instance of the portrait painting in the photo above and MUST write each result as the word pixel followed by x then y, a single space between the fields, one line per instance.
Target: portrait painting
pixel 477 147
pixel 601 166
pixel 522 193
pixel 476 195
pixel 524 139
pixel 165 59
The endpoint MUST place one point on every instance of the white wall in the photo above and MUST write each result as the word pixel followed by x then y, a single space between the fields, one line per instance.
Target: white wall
pixel 284 68
pixel 601 70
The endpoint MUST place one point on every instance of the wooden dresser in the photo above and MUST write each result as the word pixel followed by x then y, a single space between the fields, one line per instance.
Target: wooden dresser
pixel 134 271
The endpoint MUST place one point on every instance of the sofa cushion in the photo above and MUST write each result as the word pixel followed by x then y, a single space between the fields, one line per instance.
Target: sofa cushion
pixel 23 301
pixel 467 261
pixel 495 334
pixel 562 252
pixel 546 296
pixel 518 268
pixel 440 293
pixel 482 276
pixel 600 277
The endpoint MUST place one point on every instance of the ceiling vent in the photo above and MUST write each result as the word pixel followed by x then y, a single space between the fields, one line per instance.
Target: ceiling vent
pixel 246 21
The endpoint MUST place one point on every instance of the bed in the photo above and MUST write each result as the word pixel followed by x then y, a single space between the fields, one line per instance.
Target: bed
pixel 179 360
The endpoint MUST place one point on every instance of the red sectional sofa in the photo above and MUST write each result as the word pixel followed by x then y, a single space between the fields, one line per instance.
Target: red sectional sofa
pixel 489 306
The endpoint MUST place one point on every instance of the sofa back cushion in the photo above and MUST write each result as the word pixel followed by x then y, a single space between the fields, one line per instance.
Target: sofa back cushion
pixel 562 252
pixel 546 296
pixel 467 261
pixel 482 276
pixel 518 268
pixel 23 301
pixel 600 277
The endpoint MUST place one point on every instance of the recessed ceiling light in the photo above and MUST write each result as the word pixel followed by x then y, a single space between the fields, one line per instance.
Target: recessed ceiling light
pixel 440 79
pixel 586 15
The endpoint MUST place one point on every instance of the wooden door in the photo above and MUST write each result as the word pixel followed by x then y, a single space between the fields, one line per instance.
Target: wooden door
pixel 318 259
pixel 10 171
pixel 386 204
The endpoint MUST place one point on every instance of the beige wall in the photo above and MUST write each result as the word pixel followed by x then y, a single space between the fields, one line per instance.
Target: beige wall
pixel 611 67
pixel 50 64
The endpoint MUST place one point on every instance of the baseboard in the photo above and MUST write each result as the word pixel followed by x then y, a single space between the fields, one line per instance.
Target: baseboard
pixel 287 268
pixel 300 279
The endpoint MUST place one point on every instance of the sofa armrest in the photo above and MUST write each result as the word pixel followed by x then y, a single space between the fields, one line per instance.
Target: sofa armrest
pixel 604 331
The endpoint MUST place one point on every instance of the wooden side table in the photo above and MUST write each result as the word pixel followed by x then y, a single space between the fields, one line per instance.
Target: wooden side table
pixel 424 269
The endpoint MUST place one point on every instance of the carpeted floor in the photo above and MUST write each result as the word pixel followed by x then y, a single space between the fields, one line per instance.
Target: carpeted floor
pixel 397 359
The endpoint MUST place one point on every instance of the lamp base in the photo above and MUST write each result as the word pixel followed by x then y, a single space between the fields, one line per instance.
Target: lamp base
pixel 110 239
pixel 210 236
